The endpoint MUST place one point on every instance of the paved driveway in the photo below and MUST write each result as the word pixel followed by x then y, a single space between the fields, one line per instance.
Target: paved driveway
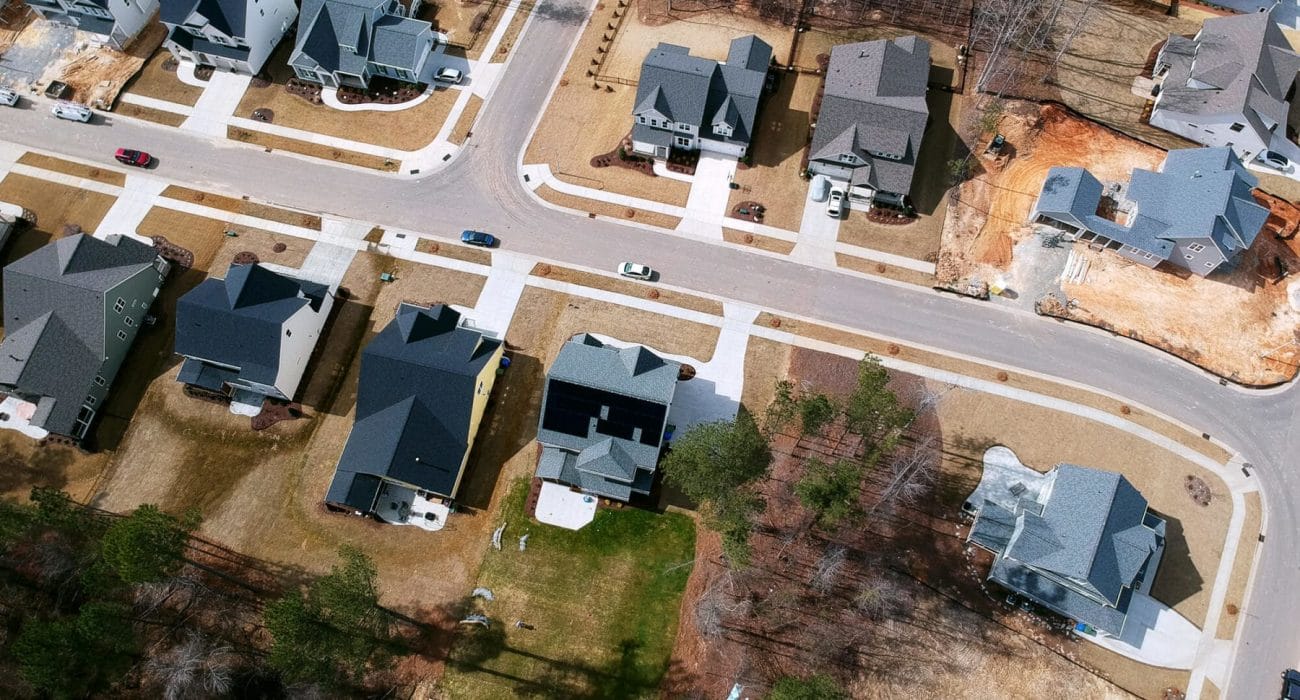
pixel 706 206
pixel 818 234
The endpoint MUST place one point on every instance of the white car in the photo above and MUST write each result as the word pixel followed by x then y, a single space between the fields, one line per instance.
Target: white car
pixel 8 97
pixel 835 203
pixel 636 271
pixel 72 112
pixel 449 75
pixel 1273 159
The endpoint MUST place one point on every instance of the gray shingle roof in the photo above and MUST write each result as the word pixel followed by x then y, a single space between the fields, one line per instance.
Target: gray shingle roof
pixel 1237 64
pixel 874 101
pixel 1092 540
pixel 1198 193
pixel 415 400
pixel 692 90
pixel 327 27
pixel 227 16
pixel 54 306
pixel 630 371
pixel 238 321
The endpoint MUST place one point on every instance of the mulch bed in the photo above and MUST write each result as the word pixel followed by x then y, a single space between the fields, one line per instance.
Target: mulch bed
pixel 274 412
pixel 622 157
pixel 1197 489
pixel 381 91
pixel 195 392
pixel 259 82
pixel 748 211
pixel 683 162
pixel 262 114
pixel 246 258
pixel 170 64
pixel 203 72
pixel 534 493
pixel 305 90
pixel 889 218
pixel 182 258
pixel 685 373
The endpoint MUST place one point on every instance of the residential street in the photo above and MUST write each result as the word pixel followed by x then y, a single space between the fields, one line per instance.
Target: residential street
pixel 481 189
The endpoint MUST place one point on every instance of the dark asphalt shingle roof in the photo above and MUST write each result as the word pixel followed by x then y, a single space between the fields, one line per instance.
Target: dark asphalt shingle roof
pixel 692 90
pixel 328 27
pixel 1198 193
pixel 54 306
pixel 415 399
pixel 239 321
pixel 630 371
pixel 874 101
pixel 226 16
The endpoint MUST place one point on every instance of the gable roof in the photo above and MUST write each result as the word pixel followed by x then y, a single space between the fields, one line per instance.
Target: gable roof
pixel 328 27
pixel 238 321
pixel 1237 64
pixel 54 306
pixel 631 371
pixel 693 90
pixel 874 101
pixel 230 17
pixel 415 400
pixel 1197 193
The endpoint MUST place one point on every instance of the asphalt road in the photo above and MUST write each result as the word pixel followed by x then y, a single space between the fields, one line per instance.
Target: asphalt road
pixel 481 189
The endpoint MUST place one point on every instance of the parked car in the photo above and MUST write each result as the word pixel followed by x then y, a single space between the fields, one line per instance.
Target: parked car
pixel 72 112
pixel 1276 160
pixel 835 203
pixel 636 271
pixel 449 75
pixel 8 97
pixel 818 188
pixel 127 156
pixel 478 238
pixel 1291 684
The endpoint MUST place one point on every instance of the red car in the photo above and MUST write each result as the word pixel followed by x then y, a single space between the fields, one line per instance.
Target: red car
pixel 139 159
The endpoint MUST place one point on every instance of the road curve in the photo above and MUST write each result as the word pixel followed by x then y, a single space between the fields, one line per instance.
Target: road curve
pixel 481 189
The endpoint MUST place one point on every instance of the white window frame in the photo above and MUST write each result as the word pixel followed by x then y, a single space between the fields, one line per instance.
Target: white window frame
pixel 128 321
pixel 121 335
pixel 119 305
pixel 1196 247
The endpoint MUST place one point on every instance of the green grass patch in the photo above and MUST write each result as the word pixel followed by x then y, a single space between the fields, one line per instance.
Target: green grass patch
pixel 602 602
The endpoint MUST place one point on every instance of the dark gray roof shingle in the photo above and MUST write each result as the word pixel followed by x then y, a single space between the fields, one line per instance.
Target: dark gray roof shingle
pixel 692 90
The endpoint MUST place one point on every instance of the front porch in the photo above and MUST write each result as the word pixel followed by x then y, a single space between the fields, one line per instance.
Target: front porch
pixel 398 505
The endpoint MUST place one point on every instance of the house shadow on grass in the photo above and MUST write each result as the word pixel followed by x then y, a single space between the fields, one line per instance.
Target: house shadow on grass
pixel 938 146
pixel 1177 579
pixel 346 332
pixel 509 426
pixel 780 130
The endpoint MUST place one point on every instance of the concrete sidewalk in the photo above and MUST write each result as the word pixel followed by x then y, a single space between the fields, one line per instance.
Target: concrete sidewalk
pixel 212 113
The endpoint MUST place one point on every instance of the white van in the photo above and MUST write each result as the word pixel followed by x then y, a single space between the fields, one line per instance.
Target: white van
pixel 8 97
pixel 72 112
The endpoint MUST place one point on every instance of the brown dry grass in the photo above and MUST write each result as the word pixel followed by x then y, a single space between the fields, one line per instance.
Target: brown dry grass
pixel 1241 568
pixel 24 464
pixel 766 362
pixel 465 122
pixel 1042 438
pixel 893 272
pixel 981 371
pixel 55 205
pixel 707 33
pixel 773 245
pixel 243 206
pixel 149 114
pixel 67 167
pixel 422 284
pixel 777 150
pixel 620 285
pixel 511 35
pixel 990 216
pixel 306 148
pixel 819 40
pixel 455 18
pixel 582 204
pixel 454 250
pixel 153 81
pixel 213 249
pixel 916 240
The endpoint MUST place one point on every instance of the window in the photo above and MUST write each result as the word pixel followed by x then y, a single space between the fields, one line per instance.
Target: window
pixel 91 401
pixel 1237 127
pixel 121 335
pixel 1209 264
pixel 1196 247
pixel 99 381
pixel 1148 256
pixel 1189 257
pixel 119 305
pixel 288 333
pixel 129 321
pixel 641 119
pixel 683 141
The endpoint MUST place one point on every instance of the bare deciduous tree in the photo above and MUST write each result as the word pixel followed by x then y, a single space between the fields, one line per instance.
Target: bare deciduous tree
pixel 828 567
pixel 881 596
pixel 197 667
pixel 913 472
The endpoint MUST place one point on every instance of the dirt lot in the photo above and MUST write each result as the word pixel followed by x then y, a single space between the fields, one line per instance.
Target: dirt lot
pixel 406 130
pixel 159 83
pixel 95 72
pixel 56 205
pixel 772 622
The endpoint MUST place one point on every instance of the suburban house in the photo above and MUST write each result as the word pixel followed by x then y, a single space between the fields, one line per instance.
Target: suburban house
pixel 348 42
pixel 72 309
pixel 690 103
pixel 604 413
pixel 1196 212
pixel 873 116
pixel 119 21
pixel 231 35
pixel 1077 541
pixel 1233 84
pixel 425 382
pixel 250 334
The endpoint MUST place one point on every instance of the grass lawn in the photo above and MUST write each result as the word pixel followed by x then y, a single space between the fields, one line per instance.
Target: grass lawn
pixel 779 138
pixel 161 84
pixel 67 167
pixel 55 204
pixel 620 285
pixel 466 121
pixel 603 601
pixel 306 148
pixel 157 116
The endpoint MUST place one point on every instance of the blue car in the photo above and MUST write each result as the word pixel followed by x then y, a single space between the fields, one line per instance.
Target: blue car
pixel 478 238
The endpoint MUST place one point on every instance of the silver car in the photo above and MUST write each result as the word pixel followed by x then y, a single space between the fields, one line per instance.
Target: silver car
pixel 835 203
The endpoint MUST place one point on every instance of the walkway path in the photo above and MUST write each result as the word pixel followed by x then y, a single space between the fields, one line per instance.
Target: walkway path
pixel 218 102
pixel 706 205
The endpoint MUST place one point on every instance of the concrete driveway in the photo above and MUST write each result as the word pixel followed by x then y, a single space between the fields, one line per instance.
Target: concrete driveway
pixel 1155 635
pixel 706 206
pixel 818 233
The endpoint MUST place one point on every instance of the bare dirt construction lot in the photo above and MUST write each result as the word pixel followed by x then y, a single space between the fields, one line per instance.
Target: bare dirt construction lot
pixel 97 73
pixel 1252 338
pixel 897 581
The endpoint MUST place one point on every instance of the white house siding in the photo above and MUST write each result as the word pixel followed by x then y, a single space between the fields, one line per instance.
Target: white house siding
pixel 1211 130
pixel 831 170
pixel 267 28
pixel 301 332
pixel 130 18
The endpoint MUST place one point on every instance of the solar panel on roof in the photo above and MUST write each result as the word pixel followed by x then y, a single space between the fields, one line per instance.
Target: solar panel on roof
pixel 570 408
